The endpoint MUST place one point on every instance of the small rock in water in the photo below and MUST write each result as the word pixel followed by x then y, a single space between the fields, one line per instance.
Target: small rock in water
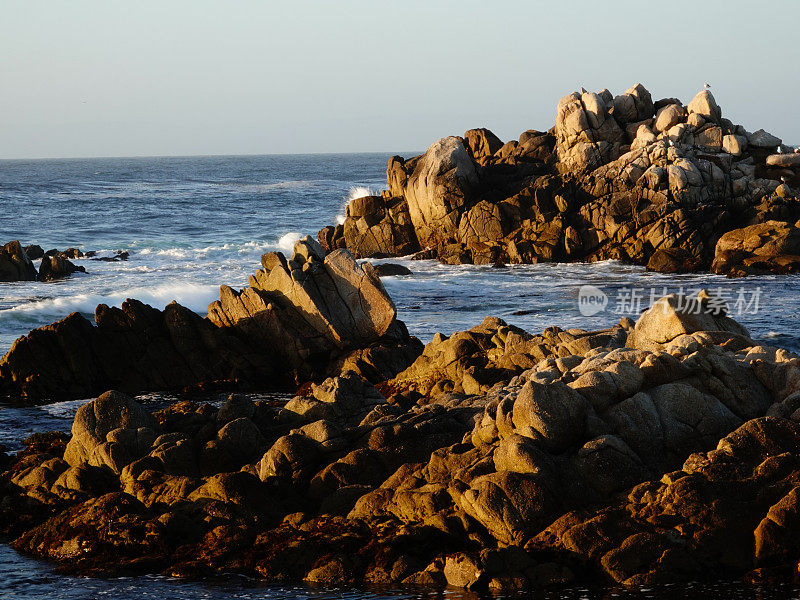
pixel 391 269
pixel 34 251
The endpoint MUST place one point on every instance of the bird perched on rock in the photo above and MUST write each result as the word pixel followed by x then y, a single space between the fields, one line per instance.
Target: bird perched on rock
pixel 797 150
pixel 780 149
pixel 784 179
pixel 706 86
pixel 671 143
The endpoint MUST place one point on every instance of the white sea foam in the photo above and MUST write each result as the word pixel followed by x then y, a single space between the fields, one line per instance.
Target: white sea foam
pixel 194 296
pixel 240 248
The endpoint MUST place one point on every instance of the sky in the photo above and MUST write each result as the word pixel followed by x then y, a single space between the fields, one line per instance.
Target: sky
pixel 87 78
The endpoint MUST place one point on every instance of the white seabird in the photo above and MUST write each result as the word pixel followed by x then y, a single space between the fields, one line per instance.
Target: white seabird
pixel 797 150
pixel 780 149
pixel 706 86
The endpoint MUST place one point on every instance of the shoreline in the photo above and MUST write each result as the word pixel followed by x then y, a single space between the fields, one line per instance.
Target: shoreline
pixel 334 415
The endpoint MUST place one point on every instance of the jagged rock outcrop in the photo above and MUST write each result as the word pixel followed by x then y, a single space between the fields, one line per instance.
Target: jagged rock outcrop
pixel 299 320
pixel 618 177
pixel 34 251
pixel 599 462
pixel 15 264
pixel 379 225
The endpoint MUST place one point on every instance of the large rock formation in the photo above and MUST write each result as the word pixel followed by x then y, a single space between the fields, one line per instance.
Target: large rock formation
pixel 566 457
pixel 652 183
pixel 299 320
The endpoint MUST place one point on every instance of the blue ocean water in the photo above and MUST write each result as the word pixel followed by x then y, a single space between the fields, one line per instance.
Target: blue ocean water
pixel 191 224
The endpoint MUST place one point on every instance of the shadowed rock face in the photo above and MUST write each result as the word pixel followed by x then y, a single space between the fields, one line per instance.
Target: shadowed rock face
pixel 16 265
pixel 652 183
pixel 57 266
pixel 563 457
pixel 299 319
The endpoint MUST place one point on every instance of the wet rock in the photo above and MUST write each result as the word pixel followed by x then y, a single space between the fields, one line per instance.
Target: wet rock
pixel 34 251
pixel 15 265
pixel 57 266
pixel 672 260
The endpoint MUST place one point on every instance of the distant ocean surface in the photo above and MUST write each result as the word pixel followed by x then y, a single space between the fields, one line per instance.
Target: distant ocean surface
pixel 191 224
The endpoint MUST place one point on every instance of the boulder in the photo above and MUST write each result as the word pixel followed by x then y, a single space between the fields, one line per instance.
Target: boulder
pixel 34 251
pixel 482 144
pixel 94 421
pixel 705 105
pixel 437 186
pixel 675 315
pixel 784 161
pixel 762 139
pixel 672 260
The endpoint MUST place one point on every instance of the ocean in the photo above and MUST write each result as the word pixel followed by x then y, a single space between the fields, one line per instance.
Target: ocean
pixel 191 224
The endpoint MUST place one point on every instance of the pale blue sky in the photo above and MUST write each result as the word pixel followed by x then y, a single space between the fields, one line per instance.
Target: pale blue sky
pixel 183 77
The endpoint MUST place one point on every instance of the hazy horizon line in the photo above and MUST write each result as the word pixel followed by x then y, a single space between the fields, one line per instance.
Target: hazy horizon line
pixel 220 155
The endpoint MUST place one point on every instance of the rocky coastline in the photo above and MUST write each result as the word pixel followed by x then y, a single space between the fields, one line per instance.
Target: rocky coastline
pixel 661 450
pixel 664 450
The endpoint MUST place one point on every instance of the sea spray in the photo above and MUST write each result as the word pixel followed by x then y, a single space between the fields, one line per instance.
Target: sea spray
pixel 357 191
